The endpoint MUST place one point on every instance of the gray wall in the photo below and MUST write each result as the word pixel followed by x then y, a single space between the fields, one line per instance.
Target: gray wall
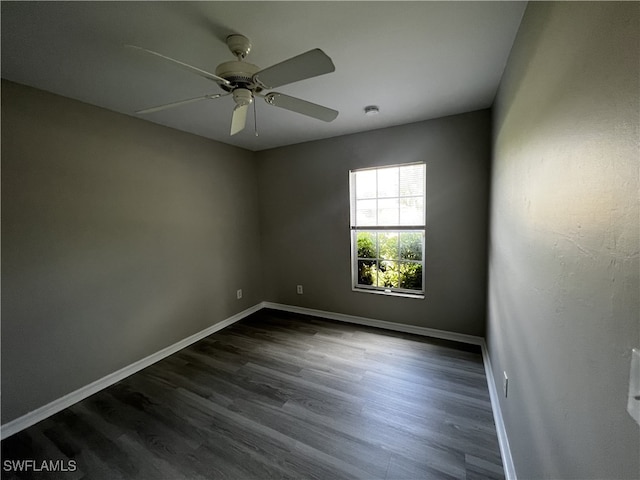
pixel 564 290
pixel 304 193
pixel 119 238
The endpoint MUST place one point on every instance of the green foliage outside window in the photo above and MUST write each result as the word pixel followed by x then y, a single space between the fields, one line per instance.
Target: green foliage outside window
pixel 390 259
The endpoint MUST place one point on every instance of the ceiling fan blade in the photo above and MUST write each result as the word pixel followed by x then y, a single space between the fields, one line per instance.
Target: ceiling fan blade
pixel 239 118
pixel 301 106
pixel 186 66
pixel 306 65
pixel 180 102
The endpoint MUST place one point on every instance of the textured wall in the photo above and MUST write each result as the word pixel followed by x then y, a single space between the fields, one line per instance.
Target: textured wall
pixel 119 238
pixel 564 290
pixel 304 193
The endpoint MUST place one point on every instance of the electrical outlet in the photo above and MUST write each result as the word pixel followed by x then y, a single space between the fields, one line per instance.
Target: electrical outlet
pixel 299 289
pixel 239 294
pixel 505 385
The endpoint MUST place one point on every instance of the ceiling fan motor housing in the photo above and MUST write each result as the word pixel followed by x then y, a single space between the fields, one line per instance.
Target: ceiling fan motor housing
pixel 239 74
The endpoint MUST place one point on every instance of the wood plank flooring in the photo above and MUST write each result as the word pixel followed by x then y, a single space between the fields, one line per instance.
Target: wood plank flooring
pixel 281 395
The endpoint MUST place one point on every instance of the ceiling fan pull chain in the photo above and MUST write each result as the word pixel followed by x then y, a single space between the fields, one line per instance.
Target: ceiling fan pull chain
pixel 255 119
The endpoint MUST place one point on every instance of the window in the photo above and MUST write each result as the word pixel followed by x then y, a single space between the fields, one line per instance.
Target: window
pixel 388 229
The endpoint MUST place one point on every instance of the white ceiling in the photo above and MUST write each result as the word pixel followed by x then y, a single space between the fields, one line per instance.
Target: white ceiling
pixel 415 60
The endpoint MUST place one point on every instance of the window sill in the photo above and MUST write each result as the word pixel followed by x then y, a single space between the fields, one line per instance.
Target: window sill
pixel 419 296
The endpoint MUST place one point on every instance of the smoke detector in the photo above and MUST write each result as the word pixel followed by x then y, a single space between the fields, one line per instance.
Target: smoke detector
pixel 371 110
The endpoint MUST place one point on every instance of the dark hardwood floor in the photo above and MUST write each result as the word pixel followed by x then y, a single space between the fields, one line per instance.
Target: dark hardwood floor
pixel 279 395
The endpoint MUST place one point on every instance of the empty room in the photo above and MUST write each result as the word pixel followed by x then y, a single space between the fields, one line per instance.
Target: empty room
pixel 320 240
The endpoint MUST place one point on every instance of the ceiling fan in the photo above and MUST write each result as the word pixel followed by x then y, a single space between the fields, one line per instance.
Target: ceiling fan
pixel 245 81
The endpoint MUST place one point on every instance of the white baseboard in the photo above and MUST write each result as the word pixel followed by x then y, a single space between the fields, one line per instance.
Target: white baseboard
pixel 56 406
pixel 503 441
pixel 507 460
pixel 370 322
pixel 61 403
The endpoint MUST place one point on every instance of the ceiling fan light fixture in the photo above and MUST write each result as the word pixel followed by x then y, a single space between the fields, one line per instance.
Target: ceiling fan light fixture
pixel 242 96
pixel 371 110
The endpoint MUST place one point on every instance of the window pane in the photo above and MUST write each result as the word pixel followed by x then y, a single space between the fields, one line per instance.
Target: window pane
pixel 389 259
pixel 366 245
pixel 411 245
pixel 388 182
pixel 388 245
pixel 388 276
pixel 412 180
pixel 367 272
pixel 388 211
pixel 366 212
pixel 411 275
pixel 366 184
pixel 412 211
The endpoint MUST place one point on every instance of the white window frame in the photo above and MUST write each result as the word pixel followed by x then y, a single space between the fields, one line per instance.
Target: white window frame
pixel 354 229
